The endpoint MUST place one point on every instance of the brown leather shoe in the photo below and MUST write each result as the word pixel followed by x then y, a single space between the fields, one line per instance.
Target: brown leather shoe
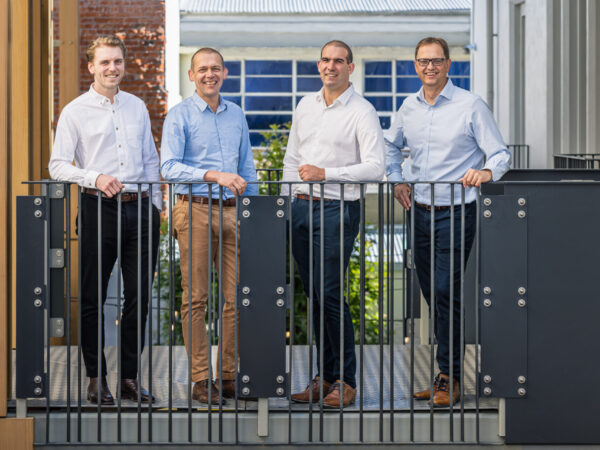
pixel 426 394
pixel 304 396
pixel 333 399
pixel 442 395
pixel 129 391
pixel 228 390
pixel 92 392
pixel 200 392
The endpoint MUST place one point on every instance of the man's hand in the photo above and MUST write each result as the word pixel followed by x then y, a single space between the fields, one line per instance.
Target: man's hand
pixel 402 194
pixel 109 185
pixel 311 173
pixel 232 181
pixel 474 178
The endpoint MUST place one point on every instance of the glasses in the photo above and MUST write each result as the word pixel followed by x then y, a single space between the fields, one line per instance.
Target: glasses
pixel 424 62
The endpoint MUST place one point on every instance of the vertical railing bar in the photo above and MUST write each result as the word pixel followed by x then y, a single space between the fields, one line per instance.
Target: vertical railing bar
pixel 235 315
pixel 380 299
pixel 47 307
pixel 158 297
pixel 321 307
pixel 68 297
pixel 412 312
pixel 189 314
pixel 79 225
pixel 310 308
pixel 432 308
pixel 100 323
pixel 342 327
pixel 391 317
pixel 462 314
pixel 139 311
pixel 292 267
pixel 210 309
pixel 150 269
pixel 171 306
pixel 477 274
pixel 119 312
pixel 451 317
pixel 221 308
pixel 362 311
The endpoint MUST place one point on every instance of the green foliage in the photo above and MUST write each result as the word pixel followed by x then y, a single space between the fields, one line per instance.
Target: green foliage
pixel 269 161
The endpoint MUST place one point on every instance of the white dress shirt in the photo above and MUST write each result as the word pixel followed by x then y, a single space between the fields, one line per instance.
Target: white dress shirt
pixel 105 138
pixel 344 138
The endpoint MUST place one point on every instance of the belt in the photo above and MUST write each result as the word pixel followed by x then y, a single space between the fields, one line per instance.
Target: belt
pixel 206 201
pixel 125 196
pixel 307 197
pixel 429 207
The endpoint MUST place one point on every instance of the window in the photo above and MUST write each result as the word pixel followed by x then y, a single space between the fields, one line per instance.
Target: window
pixel 388 83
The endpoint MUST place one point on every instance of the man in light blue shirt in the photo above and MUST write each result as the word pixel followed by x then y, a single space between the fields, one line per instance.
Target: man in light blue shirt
pixel 205 139
pixel 450 132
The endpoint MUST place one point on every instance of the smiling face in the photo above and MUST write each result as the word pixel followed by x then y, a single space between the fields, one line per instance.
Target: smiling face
pixel 334 68
pixel 432 76
pixel 207 74
pixel 108 68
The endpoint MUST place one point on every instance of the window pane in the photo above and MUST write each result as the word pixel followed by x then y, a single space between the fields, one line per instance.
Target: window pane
pixel 385 122
pixel 460 68
pixel 233 67
pixel 268 103
pixel 399 101
pixel 378 84
pixel 381 103
pixel 268 84
pixel 298 98
pixel 256 139
pixel 308 84
pixel 405 68
pixel 231 85
pixel 307 68
pixel 262 121
pixel 378 68
pixel 464 83
pixel 408 84
pixel 236 100
pixel 268 67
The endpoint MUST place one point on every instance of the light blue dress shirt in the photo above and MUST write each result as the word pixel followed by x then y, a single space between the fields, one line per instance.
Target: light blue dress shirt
pixel 195 140
pixel 445 139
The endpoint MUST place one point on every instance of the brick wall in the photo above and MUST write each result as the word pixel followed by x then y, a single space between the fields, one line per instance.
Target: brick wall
pixel 141 25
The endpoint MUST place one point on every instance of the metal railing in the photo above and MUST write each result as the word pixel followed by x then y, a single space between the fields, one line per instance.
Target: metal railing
pixel 577 161
pixel 394 333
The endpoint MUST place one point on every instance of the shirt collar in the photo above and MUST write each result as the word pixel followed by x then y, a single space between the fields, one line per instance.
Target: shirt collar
pixel 342 99
pixel 447 92
pixel 101 99
pixel 203 105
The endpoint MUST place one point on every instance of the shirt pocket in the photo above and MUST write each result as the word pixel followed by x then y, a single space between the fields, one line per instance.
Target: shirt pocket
pixel 134 134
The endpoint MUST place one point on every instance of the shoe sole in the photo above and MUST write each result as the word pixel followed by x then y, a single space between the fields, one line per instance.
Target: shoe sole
pixel 95 402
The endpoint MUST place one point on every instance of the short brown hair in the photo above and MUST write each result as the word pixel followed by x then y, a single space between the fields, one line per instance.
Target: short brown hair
pixel 342 44
pixel 206 50
pixel 104 41
pixel 433 40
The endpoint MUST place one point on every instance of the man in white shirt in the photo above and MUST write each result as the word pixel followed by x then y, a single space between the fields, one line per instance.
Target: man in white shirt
pixel 107 133
pixel 335 137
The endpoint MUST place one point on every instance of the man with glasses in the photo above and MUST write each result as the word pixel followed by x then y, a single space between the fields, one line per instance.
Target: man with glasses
pixel 449 133
pixel 335 137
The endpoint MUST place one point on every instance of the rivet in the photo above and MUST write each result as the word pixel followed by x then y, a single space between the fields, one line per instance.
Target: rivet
pixel 487 391
pixel 245 379
pixel 59 193
pixel 245 391
pixel 487 290
pixel 521 201
pixel 280 302
pixel 246 290
pixel 487 213
pixel 280 290
pixel 280 379
pixel 246 213
pixel 246 201
pixel 37 201
pixel 37 303
pixel 37 213
pixel 37 391
pixel 521 290
pixel 521 214
pixel 521 379
pixel 487 302
pixel 521 302
pixel 246 302
pixel 37 379
pixel 487 201
pixel 59 253
pixel 487 379
pixel 521 391
pixel 280 213
pixel 280 391
pixel 37 290
pixel 280 201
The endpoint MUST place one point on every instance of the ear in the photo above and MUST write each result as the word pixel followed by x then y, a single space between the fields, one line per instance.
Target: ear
pixel 416 66
pixel 449 64
pixel 91 67
pixel 351 68
pixel 225 73
pixel 191 75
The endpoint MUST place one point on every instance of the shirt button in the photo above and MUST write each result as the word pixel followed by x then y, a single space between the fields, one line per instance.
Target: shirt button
pixel 121 163
pixel 117 128
pixel 119 145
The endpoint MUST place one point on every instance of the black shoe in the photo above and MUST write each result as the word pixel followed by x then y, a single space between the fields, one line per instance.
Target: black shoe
pixel 92 392
pixel 130 389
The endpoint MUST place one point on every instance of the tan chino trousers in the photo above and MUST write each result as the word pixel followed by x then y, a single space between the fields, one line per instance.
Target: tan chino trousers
pixel 200 348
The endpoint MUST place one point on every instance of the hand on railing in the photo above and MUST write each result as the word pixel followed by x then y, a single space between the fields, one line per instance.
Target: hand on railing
pixel 402 194
pixel 474 177
pixel 109 185
pixel 233 181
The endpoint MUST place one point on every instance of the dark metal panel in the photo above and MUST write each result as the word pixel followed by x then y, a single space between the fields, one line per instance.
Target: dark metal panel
pixel 56 218
pixel 262 296
pixel 31 296
pixel 503 296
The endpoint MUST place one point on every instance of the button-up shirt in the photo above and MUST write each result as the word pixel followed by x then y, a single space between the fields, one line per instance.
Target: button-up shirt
pixel 344 138
pixel 195 140
pixel 445 139
pixel 105 138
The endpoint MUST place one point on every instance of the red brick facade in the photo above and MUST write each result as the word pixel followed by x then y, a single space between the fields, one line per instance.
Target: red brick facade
pixel 141 25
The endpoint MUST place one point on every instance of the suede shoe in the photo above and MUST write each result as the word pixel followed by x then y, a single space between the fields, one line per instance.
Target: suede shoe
pixel 334 400
pixel 92 392
pixel 130 389
pixel 442 395
pixel 228 390
pixel 304 396
pixel 426 394
pixel 200 392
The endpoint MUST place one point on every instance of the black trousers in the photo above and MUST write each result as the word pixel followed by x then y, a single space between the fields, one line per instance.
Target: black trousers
pixel 129 267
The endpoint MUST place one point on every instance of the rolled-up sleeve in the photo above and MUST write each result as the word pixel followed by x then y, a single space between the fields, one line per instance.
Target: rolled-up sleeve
pixel 394 143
